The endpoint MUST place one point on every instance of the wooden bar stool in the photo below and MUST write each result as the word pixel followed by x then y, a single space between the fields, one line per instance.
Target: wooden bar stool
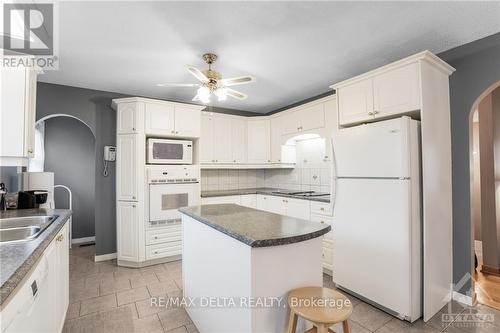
pixel 323 307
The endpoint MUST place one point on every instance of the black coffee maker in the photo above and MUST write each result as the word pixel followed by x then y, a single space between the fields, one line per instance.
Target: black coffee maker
pixel 31 199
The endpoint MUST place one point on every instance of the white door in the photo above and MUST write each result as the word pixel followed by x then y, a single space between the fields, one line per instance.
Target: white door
pixel 207 139
pixel 187 122
pixel 12 113
pixel 166 199
pixel 371 242
pixel 126 231
pixel 238 140
pixel 373 150
pixel 222 140
pixel 126 167
pixel 62 277
pixel 276 132
pixel 128 117
pixel 397 91
pixel 298 208
pixel 30 113
pixel 160 119
pixel 355 102
pixel 258 139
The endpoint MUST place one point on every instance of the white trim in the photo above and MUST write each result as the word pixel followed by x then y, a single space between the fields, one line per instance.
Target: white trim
pixel 427 56
pixel 116 101
pixel 104 257
pixel 461 298
pixel 83 240
pixel 248 166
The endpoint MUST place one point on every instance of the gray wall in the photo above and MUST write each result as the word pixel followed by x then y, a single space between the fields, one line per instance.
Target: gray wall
pixel 70 155
pixel 94 108
pixel 8 176
pixel 478 68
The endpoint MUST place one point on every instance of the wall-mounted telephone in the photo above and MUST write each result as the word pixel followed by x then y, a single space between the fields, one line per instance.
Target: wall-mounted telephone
pixel 109 153
pixel 109 156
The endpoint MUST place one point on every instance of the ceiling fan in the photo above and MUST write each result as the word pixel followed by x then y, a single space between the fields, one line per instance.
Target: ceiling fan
pixel 211 82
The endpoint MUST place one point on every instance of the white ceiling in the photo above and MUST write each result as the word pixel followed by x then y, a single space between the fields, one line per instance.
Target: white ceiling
pixel 294 49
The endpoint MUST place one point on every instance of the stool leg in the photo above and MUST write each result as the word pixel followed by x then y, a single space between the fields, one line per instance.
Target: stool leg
pixel 322 328
pixel 292 322
pixel 345 327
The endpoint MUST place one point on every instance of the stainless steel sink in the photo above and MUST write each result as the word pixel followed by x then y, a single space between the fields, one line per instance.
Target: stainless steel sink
pixel 19 229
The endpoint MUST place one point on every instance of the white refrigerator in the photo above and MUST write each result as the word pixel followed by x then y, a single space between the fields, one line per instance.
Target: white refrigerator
pixel 377 215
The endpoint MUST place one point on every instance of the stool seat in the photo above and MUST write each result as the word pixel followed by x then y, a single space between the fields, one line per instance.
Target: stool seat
pixel 321 306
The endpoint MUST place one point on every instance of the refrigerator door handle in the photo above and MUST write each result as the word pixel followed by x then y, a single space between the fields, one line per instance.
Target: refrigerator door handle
pixel 334 177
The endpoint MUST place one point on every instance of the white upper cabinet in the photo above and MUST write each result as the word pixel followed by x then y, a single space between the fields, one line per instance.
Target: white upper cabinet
pixel 396 91
pixel 258 139
pixel 187 121
pixel 239 140
pixel 222 140
pixel 207 139
pixel 160 119
pixel 305 118
pixel 356 102
pixel 390 91
pixel 129 118
pixel 17 114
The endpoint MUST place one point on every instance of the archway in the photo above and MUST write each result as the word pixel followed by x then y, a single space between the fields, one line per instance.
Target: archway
pixel 67 148
pixel 484 138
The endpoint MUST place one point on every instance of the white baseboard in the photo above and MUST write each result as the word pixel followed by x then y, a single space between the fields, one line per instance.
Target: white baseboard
pixel 104 257
pixel 83 240
pixel 461 298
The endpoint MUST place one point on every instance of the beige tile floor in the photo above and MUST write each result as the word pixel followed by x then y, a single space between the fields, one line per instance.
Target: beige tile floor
pixel 108 298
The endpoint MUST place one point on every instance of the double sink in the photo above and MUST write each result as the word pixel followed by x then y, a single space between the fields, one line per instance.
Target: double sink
pixel 19 229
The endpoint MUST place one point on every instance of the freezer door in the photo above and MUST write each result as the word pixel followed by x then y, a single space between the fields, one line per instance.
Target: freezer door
pixel 372 246
pixel 376 150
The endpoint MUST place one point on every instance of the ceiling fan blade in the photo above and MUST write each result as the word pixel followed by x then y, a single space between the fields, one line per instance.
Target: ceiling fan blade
pixel 178 85
pixel 234 81
pixel 236 94
pixel 197 74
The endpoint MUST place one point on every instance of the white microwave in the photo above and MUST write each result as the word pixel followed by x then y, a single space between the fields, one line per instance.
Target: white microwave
pixel 167 151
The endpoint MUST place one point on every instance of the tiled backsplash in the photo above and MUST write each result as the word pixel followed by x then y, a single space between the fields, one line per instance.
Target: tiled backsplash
pixel 311 173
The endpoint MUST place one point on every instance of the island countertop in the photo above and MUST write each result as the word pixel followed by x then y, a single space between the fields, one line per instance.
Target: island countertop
pixel 18 258
pixel 253 227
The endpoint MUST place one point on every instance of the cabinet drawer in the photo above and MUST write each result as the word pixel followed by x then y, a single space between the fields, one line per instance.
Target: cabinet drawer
pixel 321 219
pixel 169 234
pixel 163 250
pixel 321 208
pixel 327 243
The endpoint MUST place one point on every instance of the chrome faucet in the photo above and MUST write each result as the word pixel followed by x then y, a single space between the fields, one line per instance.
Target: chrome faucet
pixel 3 195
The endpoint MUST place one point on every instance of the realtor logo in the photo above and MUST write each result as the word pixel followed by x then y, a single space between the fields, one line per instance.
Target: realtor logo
pixel 29 35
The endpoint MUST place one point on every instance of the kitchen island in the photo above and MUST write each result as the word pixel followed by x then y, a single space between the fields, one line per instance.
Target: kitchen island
pixel 239 263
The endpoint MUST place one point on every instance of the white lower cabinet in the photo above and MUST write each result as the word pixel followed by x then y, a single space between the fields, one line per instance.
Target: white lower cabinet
pixel 126 228
pixel 41 302
pixel 249 200
pixel 163 250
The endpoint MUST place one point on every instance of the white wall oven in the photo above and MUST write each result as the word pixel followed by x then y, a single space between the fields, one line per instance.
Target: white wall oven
pixel 171 188
pixel 169 151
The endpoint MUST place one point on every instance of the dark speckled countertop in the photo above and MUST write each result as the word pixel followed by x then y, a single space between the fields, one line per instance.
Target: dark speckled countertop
pixel 264 190
pixel 253 227
pixel 17 259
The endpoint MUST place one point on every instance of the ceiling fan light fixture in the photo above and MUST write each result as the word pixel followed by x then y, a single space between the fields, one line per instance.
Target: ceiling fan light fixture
pixel 221 94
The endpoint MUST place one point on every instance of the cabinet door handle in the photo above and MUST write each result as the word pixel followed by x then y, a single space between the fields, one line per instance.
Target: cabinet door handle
pixel 370 113
pixel 30 151
pixel 376 112
pixel 322 209
pixel 60 238
pixel 133 206
pixel 173 132
pixel 176 132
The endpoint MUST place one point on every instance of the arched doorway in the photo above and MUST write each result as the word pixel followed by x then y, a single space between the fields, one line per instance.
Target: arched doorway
pixel 66 147
pixel 484 149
